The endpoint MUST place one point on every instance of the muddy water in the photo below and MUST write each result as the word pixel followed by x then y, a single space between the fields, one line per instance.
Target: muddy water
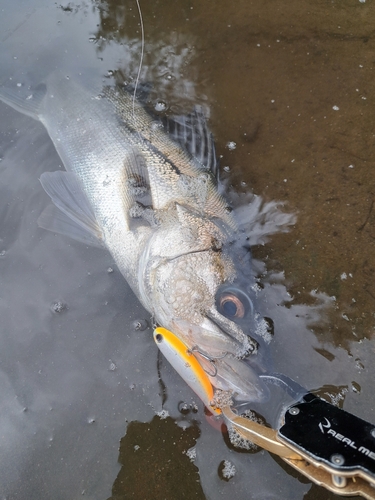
pixel 291 84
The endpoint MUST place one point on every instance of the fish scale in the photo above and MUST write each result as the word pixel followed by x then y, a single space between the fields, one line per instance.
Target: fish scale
pixel 167 154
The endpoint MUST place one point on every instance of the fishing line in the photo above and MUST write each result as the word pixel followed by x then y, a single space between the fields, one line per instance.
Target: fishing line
pixel 141 58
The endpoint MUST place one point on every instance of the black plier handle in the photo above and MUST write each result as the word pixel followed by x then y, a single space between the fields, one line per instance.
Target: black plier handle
pixel 330 446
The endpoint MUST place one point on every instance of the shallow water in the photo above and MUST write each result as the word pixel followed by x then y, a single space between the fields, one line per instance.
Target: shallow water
pixel 80 385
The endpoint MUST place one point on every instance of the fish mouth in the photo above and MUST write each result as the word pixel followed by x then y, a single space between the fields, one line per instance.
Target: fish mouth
pixel 223 350
pixel 229 374
pixel 245 344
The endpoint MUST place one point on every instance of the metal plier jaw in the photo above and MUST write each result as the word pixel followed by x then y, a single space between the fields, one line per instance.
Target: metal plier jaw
pixel 330 446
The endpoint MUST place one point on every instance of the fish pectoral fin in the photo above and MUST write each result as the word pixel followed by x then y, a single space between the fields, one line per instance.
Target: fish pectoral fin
pixel 53 219
pixel 71 213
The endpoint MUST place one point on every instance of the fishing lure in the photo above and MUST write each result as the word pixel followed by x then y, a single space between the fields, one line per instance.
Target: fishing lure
pixel 186 365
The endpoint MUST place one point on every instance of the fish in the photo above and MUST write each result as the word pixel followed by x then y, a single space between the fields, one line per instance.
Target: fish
pixel 146 189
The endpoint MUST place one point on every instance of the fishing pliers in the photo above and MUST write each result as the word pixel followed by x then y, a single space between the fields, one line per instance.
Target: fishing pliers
pixel 330 446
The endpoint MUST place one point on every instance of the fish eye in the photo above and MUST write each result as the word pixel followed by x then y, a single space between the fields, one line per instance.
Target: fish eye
pixel 234 304
pixel 231 306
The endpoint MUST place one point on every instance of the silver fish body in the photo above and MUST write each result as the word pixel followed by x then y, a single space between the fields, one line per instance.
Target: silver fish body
pixel 154 204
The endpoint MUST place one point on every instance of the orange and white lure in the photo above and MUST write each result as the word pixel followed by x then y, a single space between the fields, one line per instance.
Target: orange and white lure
pixel 186 365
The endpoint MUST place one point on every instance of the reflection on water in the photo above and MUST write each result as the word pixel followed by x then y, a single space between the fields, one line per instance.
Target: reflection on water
pixel 145 447
pixel 79 381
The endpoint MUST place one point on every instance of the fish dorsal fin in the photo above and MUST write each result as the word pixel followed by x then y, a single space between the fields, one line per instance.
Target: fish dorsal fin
pixel 192 133
pixel 75 217
pixel 26 100
pixel 173 173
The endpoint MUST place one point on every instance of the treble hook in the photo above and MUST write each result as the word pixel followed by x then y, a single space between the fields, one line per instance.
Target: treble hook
pixel 207 357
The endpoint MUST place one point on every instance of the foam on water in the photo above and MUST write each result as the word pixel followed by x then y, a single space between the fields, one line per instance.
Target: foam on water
pixel 227 470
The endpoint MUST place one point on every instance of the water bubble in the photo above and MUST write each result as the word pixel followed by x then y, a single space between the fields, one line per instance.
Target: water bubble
pixel 140 325
pixel 155 126
pixel 58 307
pixel 160 106
pixel 194 407
pixel 337 397
pixel 192 453
pixel 183 408
pixel 162 414
pixel 257 287
pixel 356 388
pixel 221 399
pixel 359 365
pixel 335 108
pixel 239 440
pixel 265 328
pixel 231 145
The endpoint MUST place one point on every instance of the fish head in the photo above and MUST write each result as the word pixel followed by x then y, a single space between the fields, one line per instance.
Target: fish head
pixel 198 296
